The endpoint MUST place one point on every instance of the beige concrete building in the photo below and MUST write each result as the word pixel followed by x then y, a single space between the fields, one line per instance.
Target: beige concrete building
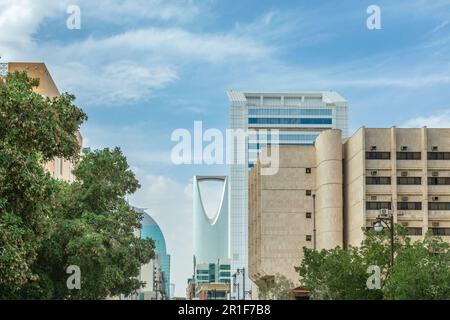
pixel 58 167
pixel 325 194
pixel 404 170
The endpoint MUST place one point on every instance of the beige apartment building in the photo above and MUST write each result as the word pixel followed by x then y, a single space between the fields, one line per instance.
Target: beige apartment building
pixel 324 195
pixel 58 167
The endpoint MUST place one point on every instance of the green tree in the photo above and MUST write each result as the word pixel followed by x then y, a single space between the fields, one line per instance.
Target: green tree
pixel 33 130
pixel 47 225
pixel 277 288
pixel 336 275
pixel 421 272
pixel 95 231
pixel 421 269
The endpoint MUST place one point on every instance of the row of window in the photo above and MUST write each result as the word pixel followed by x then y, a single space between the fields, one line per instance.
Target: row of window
pixel 433 206
pixel 376 155
pixel 441 231
pixel 318 121
pixel 290 112
pixel 411 232
pixel 418 231
pixel 283 137
pixel 432 181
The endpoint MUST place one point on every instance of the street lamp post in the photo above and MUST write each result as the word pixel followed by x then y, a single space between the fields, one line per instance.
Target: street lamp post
pixel 235 285
pixel 388 220
pixel 242 271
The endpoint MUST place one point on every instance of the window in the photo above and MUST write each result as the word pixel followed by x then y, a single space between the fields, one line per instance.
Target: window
pixel 409 156
pixel 378 180
pixel 289 112
pixel 308 215
pixel 438 155
pixel 308 192
pixel 308 170
pixel 308 238
pixel 409 205
pixel 378 155
pixel 414 231
pixel 442 181
pixel 290 121
pixel 409 181
pixel 202 272
pixel 439 206
pixel 441 231
pixel 371 205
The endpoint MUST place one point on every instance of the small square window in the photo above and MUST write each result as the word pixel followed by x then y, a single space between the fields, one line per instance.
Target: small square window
pixel 308 215
pixel 308 238
pixel 308 192
pixel 308 171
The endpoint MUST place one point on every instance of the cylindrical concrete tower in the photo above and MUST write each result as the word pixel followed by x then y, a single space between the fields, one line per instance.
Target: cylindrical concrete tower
pixel 329 183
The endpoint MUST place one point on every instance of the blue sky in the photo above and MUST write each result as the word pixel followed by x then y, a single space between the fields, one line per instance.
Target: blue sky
pixel 143 68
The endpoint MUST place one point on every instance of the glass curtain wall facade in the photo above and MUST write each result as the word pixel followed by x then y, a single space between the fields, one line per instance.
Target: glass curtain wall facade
pixel 210 233
pixel 151 230
pixel 299 117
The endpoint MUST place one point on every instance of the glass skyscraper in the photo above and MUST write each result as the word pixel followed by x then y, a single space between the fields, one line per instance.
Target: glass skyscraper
pixel 210 233
pixel 151 230
pixel 299 117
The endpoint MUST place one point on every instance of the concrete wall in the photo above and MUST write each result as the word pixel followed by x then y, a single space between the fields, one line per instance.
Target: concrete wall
pixel 329 180
pixel 278 204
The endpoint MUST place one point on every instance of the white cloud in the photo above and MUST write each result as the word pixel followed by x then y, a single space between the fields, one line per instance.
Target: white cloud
pixel 19 21
pixel 130 66
pixel 170 204
pixel 126 11
pixel 97 69
pixel 440 120
pixel 121 82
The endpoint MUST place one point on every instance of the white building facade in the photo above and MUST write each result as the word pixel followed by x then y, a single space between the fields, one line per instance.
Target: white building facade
pixel 299 117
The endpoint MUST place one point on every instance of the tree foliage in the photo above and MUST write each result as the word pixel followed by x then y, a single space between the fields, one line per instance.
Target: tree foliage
pixel 47 225
pixel 277 288
pixel 421 269
pixel 33 129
